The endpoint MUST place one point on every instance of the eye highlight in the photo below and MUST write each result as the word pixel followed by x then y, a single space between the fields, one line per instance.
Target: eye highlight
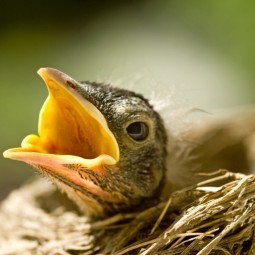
pixel 138 131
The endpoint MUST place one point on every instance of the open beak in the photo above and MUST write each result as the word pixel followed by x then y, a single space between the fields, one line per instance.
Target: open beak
pixel 72 133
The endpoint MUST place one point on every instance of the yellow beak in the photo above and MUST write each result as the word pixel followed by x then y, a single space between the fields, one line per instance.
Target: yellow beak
pixel 71 132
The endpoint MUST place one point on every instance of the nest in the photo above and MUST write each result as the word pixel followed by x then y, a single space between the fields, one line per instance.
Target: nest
pixel 202 219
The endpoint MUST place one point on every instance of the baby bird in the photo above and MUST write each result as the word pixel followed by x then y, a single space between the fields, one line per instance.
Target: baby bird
pixel 109 151
pixel 104 147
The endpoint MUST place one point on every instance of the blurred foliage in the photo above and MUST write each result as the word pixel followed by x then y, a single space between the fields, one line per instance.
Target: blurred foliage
pixel 95 40
pixel 227 25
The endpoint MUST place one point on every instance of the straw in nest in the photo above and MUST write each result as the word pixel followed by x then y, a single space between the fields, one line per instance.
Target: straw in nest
pixel 202 219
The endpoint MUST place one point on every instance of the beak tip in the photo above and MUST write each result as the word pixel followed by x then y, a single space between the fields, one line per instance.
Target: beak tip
pixel 46 72
pixel 11 153
pixel 57 76
pixel 42 70
pixel 6 154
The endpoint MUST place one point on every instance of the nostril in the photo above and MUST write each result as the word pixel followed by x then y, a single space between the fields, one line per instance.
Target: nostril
pixel 71 84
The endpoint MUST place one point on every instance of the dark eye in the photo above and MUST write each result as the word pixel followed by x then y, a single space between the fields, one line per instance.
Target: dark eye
pixel 138 131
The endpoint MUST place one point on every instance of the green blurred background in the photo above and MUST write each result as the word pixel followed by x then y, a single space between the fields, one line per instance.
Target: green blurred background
pixel 200 51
